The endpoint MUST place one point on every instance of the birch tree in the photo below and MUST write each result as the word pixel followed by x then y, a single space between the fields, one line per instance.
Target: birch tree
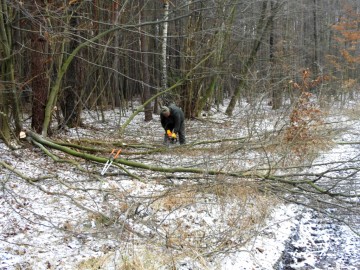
pixel 164 77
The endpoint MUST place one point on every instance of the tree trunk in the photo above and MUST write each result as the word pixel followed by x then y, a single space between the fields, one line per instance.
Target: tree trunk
pixel 144 47
pixel 116 66
pixel 117 84
pixel 71 103
pixel 60 74
pixel 190 91
pixel 315 69
pixel 164 79
pixel 261 29
pixel 220 41
pixel 276 91
pixel 5 133
pixel 39 69
pixel 10 102
pixel 40 83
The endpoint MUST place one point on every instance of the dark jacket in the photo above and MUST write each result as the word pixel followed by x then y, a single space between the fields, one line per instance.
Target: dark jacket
pixel 175 121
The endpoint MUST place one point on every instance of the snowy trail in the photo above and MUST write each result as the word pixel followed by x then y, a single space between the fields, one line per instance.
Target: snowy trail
pixel 320 242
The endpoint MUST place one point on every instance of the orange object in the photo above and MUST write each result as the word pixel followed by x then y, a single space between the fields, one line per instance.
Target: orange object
pixel 117 154
pixel 110 160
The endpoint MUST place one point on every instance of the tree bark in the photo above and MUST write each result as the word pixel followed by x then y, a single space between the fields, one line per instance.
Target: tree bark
pixel 116 65
pixel 9 105
pixel 145 70
pixel 315 69
pixel 5 132
pixel 164 79
pixel 261 30
pixel 39 69
pixel 276 91
pixel 35 137
pixel 71 100
pixel 190 91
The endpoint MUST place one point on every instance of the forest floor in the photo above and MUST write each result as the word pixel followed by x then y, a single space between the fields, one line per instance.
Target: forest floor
pixel 58 212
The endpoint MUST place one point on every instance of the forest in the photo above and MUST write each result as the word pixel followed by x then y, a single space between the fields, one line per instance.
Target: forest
pixel 75 55
pixel 267 87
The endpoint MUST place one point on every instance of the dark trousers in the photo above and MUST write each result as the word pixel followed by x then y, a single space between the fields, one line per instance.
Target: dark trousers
pixel 182 139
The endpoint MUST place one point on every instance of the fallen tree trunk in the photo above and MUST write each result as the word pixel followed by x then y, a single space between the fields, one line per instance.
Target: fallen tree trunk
pixel 308 182
pixel 39 139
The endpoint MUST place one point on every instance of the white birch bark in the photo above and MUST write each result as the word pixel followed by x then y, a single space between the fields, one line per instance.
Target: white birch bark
pixel 164 46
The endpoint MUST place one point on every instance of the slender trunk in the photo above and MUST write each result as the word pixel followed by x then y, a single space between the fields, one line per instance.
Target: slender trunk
pixel 145 70
pixel 208 94
pixel 156 61
pixel 190 91
pixel 60 74
pixel 116 67
pixel 221 39
pixel 72 92
pixel 5 133
pixel 316 49
pixel 164 78
pixel 10 101
pixel 261 29
pixel 40 82
pixel 39 69
pixel 116 63
pixel 219 43
pixel 276 91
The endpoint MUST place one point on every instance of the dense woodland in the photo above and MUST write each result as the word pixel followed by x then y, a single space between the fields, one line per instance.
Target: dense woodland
pixel 267 87
pixel 60 57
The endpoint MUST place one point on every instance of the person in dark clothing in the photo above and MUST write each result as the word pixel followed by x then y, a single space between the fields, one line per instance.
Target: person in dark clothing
pixel 172 118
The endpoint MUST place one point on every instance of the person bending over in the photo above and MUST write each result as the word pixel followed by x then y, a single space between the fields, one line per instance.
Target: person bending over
pixel 172 118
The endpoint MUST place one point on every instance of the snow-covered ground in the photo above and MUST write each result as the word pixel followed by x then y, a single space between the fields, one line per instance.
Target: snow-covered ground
pixel 320 243
pixel 72 218
pixel 309 239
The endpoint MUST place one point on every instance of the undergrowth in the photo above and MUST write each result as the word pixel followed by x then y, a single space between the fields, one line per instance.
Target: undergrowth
pixel 191 222
pixel 304 136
